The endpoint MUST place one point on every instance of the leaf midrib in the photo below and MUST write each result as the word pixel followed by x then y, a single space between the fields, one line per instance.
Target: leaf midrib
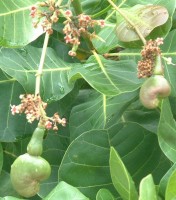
pixel 15 11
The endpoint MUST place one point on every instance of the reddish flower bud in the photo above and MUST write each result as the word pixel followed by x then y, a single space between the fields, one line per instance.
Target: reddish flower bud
pixel 48 125
pixel 68 13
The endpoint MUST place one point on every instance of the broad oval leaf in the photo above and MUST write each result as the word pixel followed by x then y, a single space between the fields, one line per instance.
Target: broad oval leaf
pixel 23 67
pixel 110 77
pixel 164 181
pixel 99 111
pixel 106 39
pixel 85 164
pixel 1 157
pixel 148 119
pixel 171 189
pixel 66 192
pixel 169 52
pixel 11 127
pixel 145 18
pixel 89 6
pixel 121 179
pixel 104 194
pixel 6 188
pixel 10 198
pixel 147 189
pixel 16 24
pixel 167 131
pixel 54 147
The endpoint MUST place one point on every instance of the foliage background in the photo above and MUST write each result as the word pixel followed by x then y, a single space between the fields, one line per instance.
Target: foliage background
pixel 111 141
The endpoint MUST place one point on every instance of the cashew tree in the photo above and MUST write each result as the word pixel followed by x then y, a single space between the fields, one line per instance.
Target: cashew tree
pixel 88 97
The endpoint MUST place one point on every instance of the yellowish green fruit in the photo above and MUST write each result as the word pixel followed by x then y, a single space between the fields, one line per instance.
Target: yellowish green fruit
pixel 27 172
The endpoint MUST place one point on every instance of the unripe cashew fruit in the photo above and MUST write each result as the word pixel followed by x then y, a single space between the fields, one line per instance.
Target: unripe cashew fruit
pixel 26 173
pixel 35 146
pixel 153 90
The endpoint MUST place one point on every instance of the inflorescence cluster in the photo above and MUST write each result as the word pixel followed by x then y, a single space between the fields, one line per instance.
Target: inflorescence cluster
pixel 48 16
pixel 75 26
pixel 49 12
pixel 149 54
pixel 34 109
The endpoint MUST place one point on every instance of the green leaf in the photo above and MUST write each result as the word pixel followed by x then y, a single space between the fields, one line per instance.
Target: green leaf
pixel 106 39
pixel 66 192
pixel 55 146
pixel 16 24
pixel 23 68
pixel 109 110
pixel 104 194
pixel 147 189
pixel 113 77
pixel 171 190
pixel 167 131
pixel 145 18
pixel 6 188
pixel 88 156
pixel 89 6
pixel 60 47
pixel 148 119
pixel 11 127
pixel 168 48
pixel 110 77
pixel 1 157
pixel 9 198
pixel 164 180
pixel 121 179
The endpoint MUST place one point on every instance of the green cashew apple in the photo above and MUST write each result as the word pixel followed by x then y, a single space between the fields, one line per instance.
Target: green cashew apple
pixel 153 90
pixel 27 172
pixel 35 146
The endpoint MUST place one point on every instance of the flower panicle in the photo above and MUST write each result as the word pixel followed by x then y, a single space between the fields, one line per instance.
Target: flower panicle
pixel 47 13
pixel 34 109
pixel 149 53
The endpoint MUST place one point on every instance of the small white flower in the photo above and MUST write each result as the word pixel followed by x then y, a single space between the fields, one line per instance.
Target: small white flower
pixel 168 60
pixel 21 96
pixel 14 109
